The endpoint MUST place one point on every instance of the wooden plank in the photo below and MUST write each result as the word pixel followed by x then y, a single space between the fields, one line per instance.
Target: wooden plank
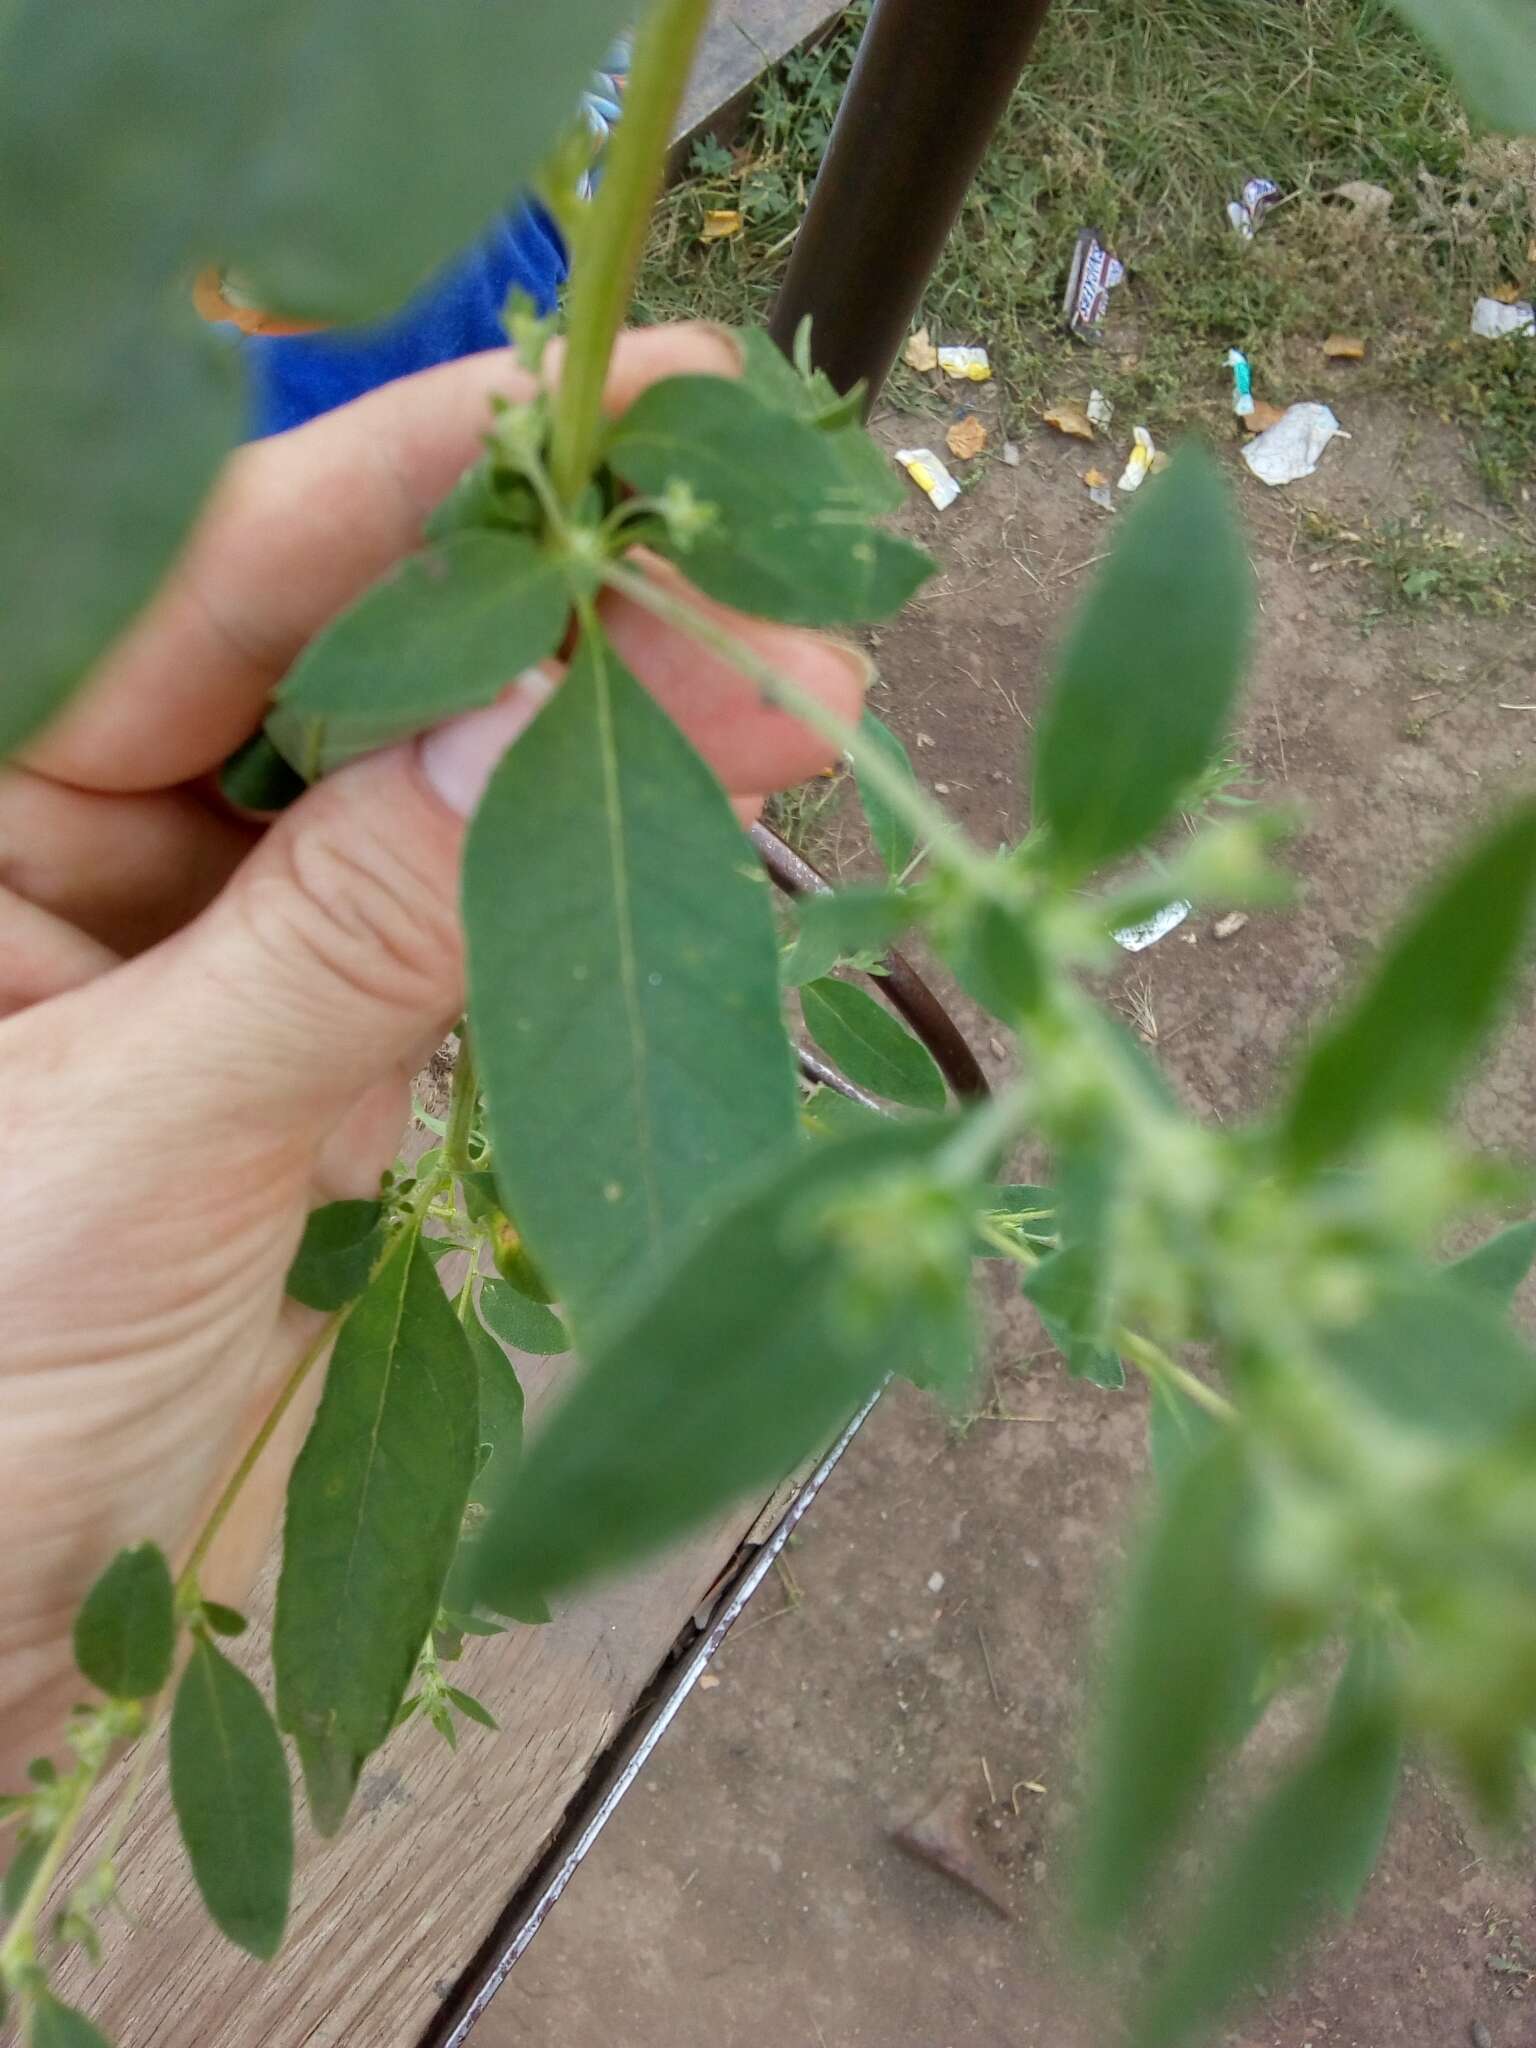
pixel 386 1916
pixel 744 39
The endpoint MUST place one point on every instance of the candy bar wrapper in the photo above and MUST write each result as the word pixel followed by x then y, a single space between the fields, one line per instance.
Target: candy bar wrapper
pixel 1092 277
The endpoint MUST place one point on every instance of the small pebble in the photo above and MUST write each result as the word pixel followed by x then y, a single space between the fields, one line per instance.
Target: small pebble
pixel 935 1582
pixel 708 1682
pixel 1229 926
pixel 1011 454
pixel 1480 2036
pixel 941 789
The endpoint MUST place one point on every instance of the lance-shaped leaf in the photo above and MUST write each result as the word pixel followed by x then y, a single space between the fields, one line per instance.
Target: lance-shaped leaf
pixel 374 1508
pixel 229 1785
pixel 445 632
pixel 850 1261
pixel 623 985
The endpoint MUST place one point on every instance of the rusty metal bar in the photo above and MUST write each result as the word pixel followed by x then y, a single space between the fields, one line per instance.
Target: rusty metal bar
pixel 901 985
pixel 930 84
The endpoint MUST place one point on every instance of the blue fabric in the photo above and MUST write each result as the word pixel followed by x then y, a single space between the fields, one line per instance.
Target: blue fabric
pixel 295 376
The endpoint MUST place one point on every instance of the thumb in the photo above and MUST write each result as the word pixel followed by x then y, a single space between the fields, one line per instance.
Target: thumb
pixel 336 952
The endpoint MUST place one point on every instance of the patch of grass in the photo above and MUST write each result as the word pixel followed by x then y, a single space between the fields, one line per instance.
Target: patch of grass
pixel 1144 121
pixel 1489 387
pixel 1427 566
pixel 804 817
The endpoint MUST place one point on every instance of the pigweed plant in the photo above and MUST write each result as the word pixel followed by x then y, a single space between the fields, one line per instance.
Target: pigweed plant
pixel 1347 1488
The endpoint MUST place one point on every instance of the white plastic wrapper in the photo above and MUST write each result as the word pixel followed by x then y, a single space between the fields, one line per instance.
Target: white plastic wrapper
pixel 930 475
pixel 1291 448
pixel 1139 467
pixel 1492 319
pixel 974 365
pixel 1137 937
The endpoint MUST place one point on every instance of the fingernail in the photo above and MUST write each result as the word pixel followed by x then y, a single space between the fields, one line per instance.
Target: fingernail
pixel 729 338
pixel 861 664
pixel 458 758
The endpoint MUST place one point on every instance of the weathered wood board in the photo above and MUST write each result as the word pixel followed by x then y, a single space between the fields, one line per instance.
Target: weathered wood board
pixel 387 1915
pixel 745 38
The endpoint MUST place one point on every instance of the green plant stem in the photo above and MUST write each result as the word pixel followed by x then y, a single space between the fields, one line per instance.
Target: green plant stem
pixel 19 1946
pixel 1161 1369
pixel 608 253
pixel 144 1750
pixel 947 843
pixel 461 1112
pixel 186 1585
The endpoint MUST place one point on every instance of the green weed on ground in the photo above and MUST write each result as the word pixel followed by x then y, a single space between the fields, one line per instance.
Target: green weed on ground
pixel 1144 121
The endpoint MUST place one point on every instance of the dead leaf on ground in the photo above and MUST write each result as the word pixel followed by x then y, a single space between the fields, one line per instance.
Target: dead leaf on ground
pixel 721 225
pixel 966 437
pixel 920 353
pixel 1370 202
pixel 942 1839
pixel 1095 479
pixel 1069 419
pixel 1263 416
pixel 1506 294
pixel 1344 348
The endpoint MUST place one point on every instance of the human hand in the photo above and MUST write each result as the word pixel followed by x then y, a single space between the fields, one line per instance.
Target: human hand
pixel 209 1028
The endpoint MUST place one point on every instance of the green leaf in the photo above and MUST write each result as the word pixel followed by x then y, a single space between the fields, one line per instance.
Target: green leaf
pixel 1178 1431
pixel 1402 1047
pixel 791 538
pixel 1303 1844
pixel 1068 1297
pixel 224 1621
pixel 828 1114
pixel 257 778
pixel 447 110
pixel 1364 1690
pixel 336 1254
pixel 472 1710
pixel 52 2024
pixel 523 1323
pixel 500 1447
pixel 995 957
pixel 112 429
pixel 1021 1211
pixel 895 841
pixel 749 1354
pixel 843 924
pixel 20 1871
pixel 778 384
pixel 444 633
pixel 1497 1267
pixel 229 1785
pixel 1490 49
pixel 374 1507
pixel 126 1628
pixel 1145 685
pixel 1181 1668
pixel 869 1046
pixel 624 993
pixel 1437 1356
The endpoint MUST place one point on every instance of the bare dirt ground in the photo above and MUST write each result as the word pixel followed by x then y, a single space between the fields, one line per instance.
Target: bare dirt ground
pixel 748 1892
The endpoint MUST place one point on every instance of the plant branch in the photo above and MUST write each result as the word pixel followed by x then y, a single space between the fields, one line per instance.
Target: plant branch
pixel 461 1112
pixel 19 1947
pixel 947 843
pixel 1163 1370
pixel 608 251
pixel 186 1585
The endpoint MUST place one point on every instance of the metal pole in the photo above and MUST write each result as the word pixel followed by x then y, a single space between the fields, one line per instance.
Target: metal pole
pixel 930 83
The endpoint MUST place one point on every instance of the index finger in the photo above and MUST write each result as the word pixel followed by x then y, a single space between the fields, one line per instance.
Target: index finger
pixel 296 528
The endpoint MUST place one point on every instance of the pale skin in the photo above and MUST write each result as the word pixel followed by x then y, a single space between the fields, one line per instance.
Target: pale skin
pixel 208 1026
